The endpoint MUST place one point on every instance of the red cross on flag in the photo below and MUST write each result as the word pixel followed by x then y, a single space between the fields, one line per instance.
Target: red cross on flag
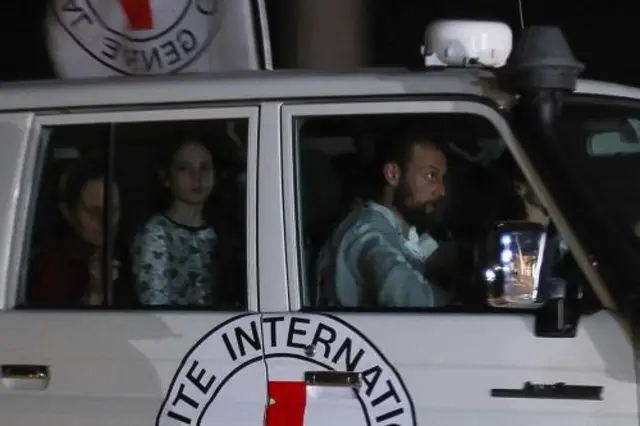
pixel 89 38
pixel 138 14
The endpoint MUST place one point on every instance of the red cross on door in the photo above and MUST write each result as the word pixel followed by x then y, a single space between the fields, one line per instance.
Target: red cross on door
pixel 287 402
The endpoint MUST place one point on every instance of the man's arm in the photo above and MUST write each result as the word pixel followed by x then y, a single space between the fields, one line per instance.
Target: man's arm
pixel 396 281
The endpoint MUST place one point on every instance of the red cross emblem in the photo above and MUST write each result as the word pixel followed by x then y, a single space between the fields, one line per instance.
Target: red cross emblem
pixel 138 13
pixel 287 401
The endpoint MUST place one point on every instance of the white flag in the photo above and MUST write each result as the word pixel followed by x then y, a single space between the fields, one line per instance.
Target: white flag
pixel 101 38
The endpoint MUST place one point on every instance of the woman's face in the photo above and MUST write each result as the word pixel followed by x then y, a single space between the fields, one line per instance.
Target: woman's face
pixel 89 214
pixel 191 174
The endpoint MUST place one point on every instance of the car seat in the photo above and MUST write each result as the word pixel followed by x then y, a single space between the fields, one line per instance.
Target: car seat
pixel 322 210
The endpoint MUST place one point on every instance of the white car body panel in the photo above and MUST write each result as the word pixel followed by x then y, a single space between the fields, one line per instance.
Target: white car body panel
pixel 116 368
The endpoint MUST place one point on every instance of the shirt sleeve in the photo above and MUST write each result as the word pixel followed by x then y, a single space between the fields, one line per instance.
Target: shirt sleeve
pixel 396 282
pixel 151 266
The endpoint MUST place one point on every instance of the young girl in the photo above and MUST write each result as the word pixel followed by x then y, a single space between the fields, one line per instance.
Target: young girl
pixel 173 254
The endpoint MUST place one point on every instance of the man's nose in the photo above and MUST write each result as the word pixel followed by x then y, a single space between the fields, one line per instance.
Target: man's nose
pixel 440 190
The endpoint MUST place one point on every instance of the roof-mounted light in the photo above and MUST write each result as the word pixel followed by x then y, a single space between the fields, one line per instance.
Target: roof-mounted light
pixel 464 43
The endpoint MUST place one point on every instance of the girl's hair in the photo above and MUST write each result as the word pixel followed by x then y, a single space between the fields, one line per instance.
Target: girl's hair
pixel 75 178
pixel 171 146
pixel 163 166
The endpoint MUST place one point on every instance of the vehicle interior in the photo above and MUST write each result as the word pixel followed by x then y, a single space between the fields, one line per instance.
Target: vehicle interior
pixel 135 169
pixel 335 173
pixel 599 158
pixel 606 146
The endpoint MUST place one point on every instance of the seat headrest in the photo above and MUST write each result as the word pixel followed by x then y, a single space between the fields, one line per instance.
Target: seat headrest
pixel 320 188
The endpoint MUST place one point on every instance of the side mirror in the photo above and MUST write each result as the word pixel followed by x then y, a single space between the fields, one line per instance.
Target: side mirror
pixel 513 264
pixel 509 264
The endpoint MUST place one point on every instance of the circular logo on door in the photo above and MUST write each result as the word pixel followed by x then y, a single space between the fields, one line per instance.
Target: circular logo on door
pixel 316 369
pixel 135 37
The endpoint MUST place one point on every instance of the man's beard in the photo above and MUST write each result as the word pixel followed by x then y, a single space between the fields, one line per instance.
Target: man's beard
pixel 416 215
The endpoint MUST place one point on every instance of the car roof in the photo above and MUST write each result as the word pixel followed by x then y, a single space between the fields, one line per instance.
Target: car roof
pixel 261 85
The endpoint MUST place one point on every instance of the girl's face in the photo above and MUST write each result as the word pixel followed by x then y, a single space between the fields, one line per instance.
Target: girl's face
pixel 191 174
pixel 89 212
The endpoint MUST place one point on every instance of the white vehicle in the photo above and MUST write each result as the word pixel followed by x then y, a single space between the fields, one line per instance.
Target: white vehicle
pixel 562 356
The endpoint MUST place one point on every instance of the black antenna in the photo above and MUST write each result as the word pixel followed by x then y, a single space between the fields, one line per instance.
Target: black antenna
pixel 521 13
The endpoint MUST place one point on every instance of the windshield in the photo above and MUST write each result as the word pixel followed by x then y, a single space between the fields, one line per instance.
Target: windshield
pixel 593 170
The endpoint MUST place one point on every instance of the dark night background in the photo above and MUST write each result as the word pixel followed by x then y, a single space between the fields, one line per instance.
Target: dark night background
pixel 602 34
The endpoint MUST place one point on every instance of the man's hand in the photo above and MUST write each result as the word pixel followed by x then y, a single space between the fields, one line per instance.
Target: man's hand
pixel 444 258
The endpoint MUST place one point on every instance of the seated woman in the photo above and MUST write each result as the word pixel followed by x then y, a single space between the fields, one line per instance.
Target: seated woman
pixel 173 254
pixel 68 272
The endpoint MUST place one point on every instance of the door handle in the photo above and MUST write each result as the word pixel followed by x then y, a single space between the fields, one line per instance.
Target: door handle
pixel 28 377
pixel 551 391
pixel 342 379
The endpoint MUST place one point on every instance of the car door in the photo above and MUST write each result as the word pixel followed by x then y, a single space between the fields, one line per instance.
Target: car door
pixel 122 362
pixel 422 366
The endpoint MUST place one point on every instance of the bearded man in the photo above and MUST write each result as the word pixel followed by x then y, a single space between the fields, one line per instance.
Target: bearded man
pixel 377 256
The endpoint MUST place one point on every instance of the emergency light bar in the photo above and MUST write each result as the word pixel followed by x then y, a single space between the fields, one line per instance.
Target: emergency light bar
pixel 465 43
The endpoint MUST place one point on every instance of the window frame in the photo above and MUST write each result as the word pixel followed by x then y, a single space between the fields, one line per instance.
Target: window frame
pixel 440 105
pixel 32 175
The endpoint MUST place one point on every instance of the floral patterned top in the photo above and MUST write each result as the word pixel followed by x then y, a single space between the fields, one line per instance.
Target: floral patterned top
pixel 173 263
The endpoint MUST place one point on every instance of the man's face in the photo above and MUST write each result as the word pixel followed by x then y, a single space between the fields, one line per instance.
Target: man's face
pixel 420 185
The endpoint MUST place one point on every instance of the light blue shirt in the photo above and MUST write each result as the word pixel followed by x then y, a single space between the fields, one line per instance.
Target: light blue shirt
pixel 369 262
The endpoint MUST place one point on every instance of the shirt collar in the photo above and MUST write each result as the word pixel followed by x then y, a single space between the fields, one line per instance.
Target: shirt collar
pixel 388 214
pixel 422 246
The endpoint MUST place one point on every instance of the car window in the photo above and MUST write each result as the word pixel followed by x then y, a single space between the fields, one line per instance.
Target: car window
pixel 594 167
pixel 606 144
pixel 140 215
pixel 371 234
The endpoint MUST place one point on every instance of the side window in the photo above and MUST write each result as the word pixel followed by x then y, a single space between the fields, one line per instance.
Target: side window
pixel 140 215
pixel 393 208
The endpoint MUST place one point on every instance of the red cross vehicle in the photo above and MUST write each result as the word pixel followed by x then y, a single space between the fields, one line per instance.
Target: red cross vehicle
pixel 450 246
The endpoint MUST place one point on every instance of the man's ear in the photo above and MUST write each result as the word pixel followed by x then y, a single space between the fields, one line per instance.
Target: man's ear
pixel 391 173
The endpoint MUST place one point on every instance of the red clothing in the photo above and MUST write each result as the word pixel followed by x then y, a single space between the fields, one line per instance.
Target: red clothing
pixel 61 274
